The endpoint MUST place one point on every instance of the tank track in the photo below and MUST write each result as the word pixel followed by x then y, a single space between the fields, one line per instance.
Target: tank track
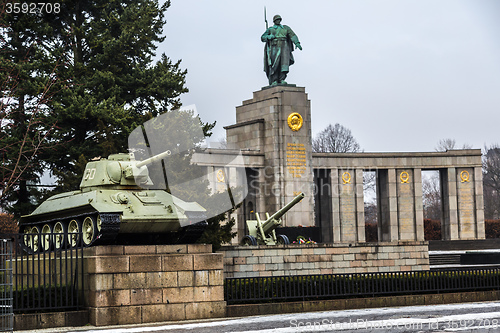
pixel 110 226
pixel 191 233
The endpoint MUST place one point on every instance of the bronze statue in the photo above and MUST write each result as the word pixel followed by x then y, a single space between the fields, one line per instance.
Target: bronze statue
pixel 278 55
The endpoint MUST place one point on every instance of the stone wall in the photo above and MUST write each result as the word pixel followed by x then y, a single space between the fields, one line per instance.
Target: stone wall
pixel 250 261
pixel 140 284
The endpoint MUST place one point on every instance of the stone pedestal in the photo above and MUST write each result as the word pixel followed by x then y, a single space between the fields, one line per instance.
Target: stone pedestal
pixel 141 284
pixel 277 123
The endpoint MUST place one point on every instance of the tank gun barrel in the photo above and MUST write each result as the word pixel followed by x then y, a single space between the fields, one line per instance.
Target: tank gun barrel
pixel 153 159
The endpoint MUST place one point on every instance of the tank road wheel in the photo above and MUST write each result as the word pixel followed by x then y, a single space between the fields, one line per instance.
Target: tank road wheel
pixel 73 230
pixel 99 223
pixel 46 237
pixel 35 238
pixel 249 240
pixel 89 230
pixel 282 240
pixel 28 239
pixel 58 235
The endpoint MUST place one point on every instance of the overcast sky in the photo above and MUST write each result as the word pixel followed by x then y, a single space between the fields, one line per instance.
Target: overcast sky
pixel 401 74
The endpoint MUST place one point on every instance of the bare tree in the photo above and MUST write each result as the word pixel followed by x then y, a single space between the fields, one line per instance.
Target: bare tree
pixel 335 139
pixel 431 197
pixel 491 181
pixel 369 183
pixel 450 144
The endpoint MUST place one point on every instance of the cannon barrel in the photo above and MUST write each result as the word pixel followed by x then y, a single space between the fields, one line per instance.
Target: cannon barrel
pixel 153 159
pixel 269 225
pixel 273 221
pixel 288 206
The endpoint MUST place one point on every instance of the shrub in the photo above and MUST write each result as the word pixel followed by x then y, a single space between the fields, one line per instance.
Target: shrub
pixel 371 233
pixel 8 224
pixel 492 228
pixel 432 229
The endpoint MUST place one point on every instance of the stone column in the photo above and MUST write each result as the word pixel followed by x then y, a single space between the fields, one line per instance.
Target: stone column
pixel 360 207
pixel 466 203
pixel 419 206
pixel 478 185
pixel 336 187
pixel 407 205
pixel 449 227
pixel 351 206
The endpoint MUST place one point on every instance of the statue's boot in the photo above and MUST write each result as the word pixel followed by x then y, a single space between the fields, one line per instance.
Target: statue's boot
pixel 283 77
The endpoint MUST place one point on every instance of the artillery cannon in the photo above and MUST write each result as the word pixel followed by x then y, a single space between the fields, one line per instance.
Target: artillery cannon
pixel 113 204
pixel 264 232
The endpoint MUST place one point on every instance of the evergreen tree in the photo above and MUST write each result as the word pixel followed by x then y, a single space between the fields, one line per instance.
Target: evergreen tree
pixel 85 75
pixel 26 87
pixel 114 84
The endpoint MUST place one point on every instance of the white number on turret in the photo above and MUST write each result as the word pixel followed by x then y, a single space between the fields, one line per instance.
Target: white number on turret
pixel 89 174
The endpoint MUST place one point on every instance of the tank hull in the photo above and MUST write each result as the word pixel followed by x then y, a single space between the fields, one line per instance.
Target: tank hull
pixel 129 213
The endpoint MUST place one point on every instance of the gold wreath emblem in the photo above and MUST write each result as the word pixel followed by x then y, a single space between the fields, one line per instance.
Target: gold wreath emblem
pixel 404 176
pixel 346 177
pixel 295 121
pixel 464 175
pixel 220 176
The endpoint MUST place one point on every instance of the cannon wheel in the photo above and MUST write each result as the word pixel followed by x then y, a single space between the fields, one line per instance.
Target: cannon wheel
pixel 282 240
pixel 249 240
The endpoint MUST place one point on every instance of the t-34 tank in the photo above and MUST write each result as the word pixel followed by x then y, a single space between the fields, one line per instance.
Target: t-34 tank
pixel 113 204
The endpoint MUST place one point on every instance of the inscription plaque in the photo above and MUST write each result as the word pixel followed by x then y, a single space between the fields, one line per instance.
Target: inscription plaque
pixel 296 159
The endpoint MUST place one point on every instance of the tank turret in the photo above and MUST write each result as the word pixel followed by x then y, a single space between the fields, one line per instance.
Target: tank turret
pixel 114 203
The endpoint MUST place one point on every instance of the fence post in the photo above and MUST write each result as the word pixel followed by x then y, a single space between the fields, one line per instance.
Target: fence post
pixel 6 302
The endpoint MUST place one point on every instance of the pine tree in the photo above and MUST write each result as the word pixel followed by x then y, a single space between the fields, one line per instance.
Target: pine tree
pixel 26 85
pixel 114 84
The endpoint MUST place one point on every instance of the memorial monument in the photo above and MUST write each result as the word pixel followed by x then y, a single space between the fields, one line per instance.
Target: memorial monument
pixel 277 124
pixel 273 129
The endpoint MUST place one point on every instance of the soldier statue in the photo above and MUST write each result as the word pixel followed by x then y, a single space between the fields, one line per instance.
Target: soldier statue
pixel 278 55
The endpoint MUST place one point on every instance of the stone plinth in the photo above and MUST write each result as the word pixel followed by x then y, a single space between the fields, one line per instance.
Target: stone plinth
pixel 277 123
pixel 141 284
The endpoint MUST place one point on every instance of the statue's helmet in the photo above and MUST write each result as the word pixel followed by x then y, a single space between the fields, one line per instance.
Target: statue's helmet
pixel 276 17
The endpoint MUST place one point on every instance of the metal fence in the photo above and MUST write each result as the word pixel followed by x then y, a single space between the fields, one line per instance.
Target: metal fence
pixel 47 272
pixel 331 286
pixel 6 303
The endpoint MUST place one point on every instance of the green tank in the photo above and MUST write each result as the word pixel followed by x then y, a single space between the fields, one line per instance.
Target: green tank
pixel 113 205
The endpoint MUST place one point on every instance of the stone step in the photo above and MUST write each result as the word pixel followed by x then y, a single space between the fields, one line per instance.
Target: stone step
pixel 444 259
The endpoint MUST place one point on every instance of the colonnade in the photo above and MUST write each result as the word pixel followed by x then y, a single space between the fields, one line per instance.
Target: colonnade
pixel 400 211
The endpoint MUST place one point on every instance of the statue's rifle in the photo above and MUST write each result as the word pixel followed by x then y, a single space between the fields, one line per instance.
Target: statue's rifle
pixel 265 18
pixel 268 44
